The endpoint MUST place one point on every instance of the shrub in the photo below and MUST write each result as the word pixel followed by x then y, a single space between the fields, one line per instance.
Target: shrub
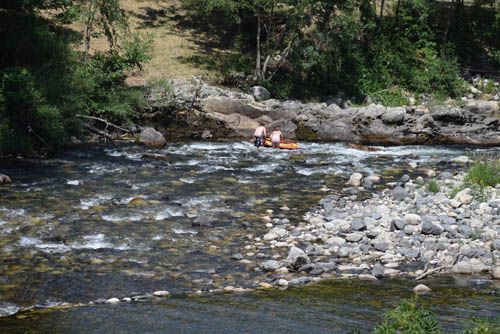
pixel 484 173
pixel 409 317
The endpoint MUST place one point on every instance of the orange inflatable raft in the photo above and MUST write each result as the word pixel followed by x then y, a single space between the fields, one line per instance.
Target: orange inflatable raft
pixel 284 145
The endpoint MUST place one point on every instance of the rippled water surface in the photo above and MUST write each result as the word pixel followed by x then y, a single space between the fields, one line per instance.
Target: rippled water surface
pixel 103 222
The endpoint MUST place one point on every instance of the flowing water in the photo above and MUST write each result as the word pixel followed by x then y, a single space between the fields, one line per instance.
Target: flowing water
pixel 113 221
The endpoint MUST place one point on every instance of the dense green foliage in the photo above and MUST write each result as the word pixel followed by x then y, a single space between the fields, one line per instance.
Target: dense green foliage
pixel 44 84
pixel 413 317
pixel 314 48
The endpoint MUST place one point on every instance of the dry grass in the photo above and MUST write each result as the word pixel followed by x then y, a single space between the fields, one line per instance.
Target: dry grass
pixel 177 50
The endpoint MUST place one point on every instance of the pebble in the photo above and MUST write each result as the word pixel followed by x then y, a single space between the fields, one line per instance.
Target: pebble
pixel 113 301
pixel 265 285
pixel 161 293
pixel 282 282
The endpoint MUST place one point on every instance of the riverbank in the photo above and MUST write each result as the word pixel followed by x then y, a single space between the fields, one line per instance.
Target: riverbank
pixel 193 109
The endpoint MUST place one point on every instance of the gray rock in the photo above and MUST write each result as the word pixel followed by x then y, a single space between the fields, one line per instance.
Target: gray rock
pixel 270 265
pixel 399 194
pixel 378 270
pixel 411 219
pixel 7 309
pixel 375 215
pixel 398 224
pixel 446 176
pixel 466 231
pixel 354 237
pixel 296 258
pixel 237 256
pixel 405 178
pixel 355 180
pixel 431 228
pixel 260 93
pixel 381 246
pixel 315 250
pixel 358 225
pixel 495 272
pixel 301 280
pixel 151 137
pixel 394 116
pixel 421 288
pixel 495 244
pixel 206 134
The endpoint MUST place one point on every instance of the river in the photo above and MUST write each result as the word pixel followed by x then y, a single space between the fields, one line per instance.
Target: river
pixel 112 221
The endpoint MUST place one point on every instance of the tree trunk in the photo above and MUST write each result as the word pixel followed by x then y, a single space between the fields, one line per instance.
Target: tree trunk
pixel 258 73
pixel 88 30
pixel 398 7
pixel 381 11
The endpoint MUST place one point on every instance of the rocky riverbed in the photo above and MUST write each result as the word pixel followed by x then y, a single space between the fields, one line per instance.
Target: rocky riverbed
pixel 403 229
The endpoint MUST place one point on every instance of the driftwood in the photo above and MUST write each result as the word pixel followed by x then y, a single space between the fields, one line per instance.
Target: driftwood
pixel 428 272
pixel 99 132
pixel 102 120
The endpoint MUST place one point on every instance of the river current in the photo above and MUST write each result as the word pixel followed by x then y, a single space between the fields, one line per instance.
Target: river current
pixel 113 221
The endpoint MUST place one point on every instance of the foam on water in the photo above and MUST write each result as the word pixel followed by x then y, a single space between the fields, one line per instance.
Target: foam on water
pixel 118 218
pixel 98 241
pixel 74 182
pixel 99 199
pixel 180 230
pixel 28 241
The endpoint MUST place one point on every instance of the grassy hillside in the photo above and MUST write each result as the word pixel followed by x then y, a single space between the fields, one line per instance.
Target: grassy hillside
pixel 179 50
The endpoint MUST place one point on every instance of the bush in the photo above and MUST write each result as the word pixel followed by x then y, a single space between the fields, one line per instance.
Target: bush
pixel 409 318
pixel 484 173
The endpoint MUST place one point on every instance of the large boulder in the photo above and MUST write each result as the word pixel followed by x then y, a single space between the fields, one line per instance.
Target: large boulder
pixel 151 137
pixel 260 93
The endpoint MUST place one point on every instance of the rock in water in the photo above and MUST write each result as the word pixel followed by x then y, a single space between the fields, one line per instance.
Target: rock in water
pixel 495 272
pixel 297 258
pixel 355 180
pixel 5 179
pixel 260 93
pixel 270 265
pixel 421 288
pixel 151 137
